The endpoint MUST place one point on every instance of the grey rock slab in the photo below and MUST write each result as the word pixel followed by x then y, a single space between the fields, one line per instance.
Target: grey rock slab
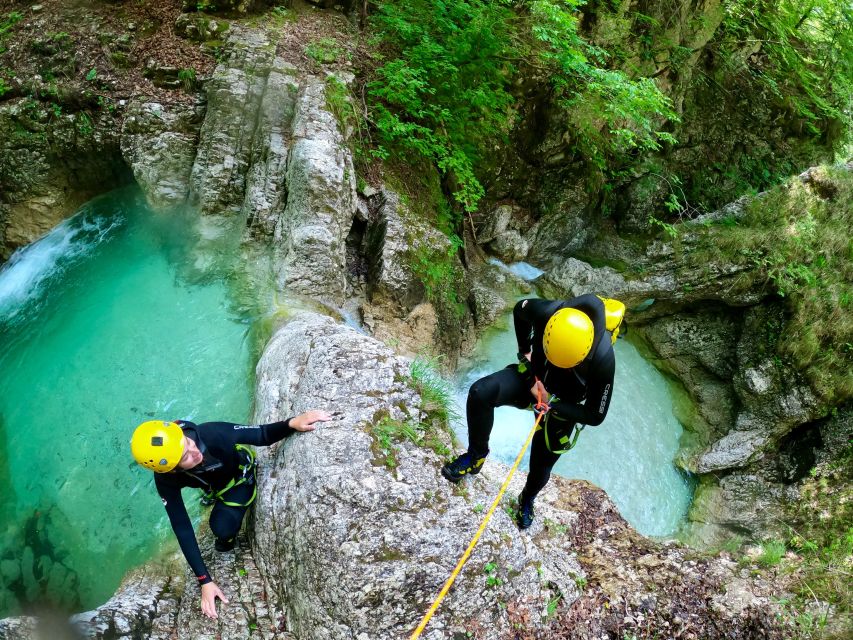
pixel 159 144
pixel 234 94
pixel 311 233
pixel 266 190
pixel 734 449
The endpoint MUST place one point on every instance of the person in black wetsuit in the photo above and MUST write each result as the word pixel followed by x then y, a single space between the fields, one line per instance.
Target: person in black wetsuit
pixel 566 361
pixel 210 456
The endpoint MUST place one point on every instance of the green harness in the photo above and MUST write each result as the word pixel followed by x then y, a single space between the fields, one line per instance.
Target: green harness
pixel 247 472
pixel 562 440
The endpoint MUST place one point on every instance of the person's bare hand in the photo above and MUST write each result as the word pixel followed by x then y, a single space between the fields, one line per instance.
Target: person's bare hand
pixel 306 421
pixel 209 593
pixel 539 392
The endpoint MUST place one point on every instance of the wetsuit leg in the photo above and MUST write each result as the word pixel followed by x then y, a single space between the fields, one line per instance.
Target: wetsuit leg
pixel 225 520
pixel 504 387
pixel 542 462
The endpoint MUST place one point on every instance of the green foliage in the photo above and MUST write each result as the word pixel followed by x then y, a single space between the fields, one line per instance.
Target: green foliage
pixel 551 609
pixel 436 401
pixel 810 50
pixel 7 23
pixel 6 26
pixel 387 432
pixel 436 268
pixel 445 93
pixel 608 113
pixel 188 79
pixel 4 88
pixel 324 50
pixel 797 239
pixel 84 125
pixel 669 229
pixel 432 432
pixel 93 73
pixel 281 15
pixel 492 579
pixel 825 543
pixel 771 553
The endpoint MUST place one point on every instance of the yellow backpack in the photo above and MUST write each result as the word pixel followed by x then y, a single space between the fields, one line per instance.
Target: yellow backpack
pixel 614 312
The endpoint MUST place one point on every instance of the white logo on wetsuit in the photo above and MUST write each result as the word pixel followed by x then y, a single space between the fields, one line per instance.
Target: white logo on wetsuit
pixel 247 426
pixel 604 399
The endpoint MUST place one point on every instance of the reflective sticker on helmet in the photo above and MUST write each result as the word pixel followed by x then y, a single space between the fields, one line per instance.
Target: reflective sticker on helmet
pixel 156 441
pixel 163 462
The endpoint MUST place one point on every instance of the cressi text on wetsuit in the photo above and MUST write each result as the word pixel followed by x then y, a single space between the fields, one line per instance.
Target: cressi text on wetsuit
pixel 218 442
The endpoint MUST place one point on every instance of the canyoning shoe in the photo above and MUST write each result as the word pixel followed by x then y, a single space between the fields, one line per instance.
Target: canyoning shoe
pixel 224 545
pixel 524 515
pixel 464 465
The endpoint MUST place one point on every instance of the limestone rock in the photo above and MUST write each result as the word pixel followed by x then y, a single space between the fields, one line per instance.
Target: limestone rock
pixel 200 27
pixel 266 186
pixel 159 143
pixel 335 550
pixel 227 6
pixel 50 165
pixel 234 93
pixel 311 233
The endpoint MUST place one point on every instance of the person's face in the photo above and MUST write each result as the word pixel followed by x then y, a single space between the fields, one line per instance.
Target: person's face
pixel 192 456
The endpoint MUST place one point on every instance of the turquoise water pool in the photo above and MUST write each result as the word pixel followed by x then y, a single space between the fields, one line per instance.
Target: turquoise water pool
pixel 630 455
pixel 104 323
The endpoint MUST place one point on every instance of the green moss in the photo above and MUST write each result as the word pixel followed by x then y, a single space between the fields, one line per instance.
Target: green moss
pixel 822 533
pixel 795 240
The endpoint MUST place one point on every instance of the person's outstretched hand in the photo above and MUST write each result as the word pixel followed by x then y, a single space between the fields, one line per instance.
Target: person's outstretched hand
pixel 209 593
pixel 306 421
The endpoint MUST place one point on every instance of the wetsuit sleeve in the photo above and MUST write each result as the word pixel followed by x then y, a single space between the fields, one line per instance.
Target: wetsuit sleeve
pixel 183 528
pixel 262 434
pixel 525 315
pixel 597 402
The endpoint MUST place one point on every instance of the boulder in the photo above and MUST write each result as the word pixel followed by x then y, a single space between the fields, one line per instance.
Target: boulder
pixel 358 549
pixel 200 27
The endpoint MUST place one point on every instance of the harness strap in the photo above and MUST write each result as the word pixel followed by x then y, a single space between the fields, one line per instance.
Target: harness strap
pixel 247 471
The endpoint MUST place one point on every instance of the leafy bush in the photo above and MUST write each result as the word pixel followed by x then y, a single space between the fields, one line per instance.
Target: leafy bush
pixel 324 50
pixel 810 47
pixel 445 92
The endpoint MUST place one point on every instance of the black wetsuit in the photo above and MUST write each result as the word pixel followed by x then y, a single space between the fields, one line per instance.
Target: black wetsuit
pixel 217 441
pixel 582 392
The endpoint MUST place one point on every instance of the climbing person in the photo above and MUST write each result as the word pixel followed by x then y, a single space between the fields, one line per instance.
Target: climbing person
pixel 211 456
pixel 565 368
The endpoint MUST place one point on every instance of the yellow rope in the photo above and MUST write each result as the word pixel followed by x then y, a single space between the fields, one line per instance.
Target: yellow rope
pixel 476 537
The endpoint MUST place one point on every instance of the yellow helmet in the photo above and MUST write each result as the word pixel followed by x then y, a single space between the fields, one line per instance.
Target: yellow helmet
pixel 158 445
pixel 568 338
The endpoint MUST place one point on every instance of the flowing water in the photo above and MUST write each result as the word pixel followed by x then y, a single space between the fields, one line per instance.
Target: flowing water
pixel 104 323
pixel 630 455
